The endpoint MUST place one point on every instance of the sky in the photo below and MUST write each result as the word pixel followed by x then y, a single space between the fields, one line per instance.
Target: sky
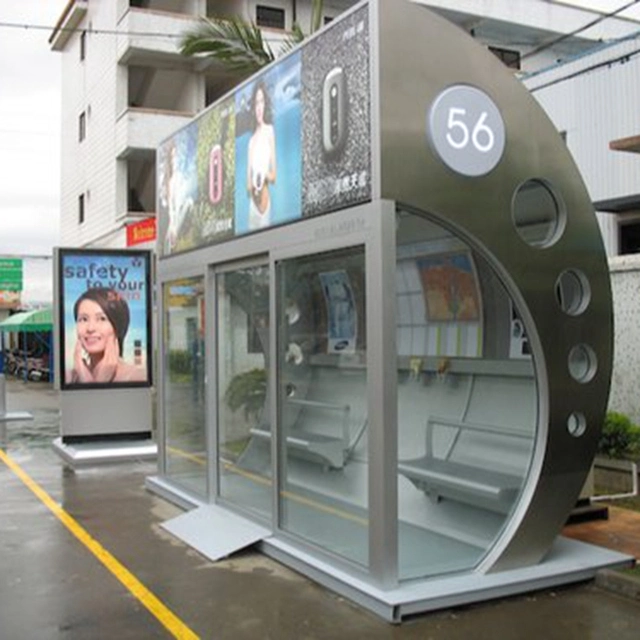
pixel 30 123
pixel 29 129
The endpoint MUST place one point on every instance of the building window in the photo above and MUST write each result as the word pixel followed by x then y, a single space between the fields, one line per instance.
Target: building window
pixel 81 208
pixel 509 57
pixel 629 237
pixel 83 45
pixel 82 126
pixel 269 17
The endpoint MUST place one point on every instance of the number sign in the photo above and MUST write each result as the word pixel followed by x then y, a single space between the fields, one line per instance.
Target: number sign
pixel 466 130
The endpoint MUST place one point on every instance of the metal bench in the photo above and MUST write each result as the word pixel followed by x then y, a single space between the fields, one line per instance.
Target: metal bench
pixel 330 451
pixel 442 476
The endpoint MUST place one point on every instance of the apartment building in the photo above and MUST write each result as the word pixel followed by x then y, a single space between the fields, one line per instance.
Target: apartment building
pixel 125 87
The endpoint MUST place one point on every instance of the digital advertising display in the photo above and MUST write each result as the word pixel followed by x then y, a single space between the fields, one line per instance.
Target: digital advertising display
pixel 104 299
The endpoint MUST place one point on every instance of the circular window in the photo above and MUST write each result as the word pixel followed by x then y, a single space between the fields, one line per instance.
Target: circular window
pixel 576 424
pixel 573 292
pixel 538 213
pixel 582 363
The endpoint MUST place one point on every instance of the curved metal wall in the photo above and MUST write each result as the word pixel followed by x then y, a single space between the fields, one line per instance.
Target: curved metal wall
pixel 421 56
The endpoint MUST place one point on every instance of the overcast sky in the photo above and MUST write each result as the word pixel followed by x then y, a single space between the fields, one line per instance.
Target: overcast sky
pixel 30 124
pixel 29 129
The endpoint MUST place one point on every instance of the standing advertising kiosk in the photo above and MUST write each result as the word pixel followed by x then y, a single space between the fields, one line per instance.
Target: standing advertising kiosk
pixel 102 329
pixel 386 322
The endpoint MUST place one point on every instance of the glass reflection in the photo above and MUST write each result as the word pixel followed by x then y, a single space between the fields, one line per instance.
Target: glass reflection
pixel 184 401
pixel 322 384
pixel 244 442
pixel 467 401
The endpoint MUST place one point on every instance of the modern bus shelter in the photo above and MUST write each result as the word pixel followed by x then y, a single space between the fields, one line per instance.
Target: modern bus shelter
pixel 395 385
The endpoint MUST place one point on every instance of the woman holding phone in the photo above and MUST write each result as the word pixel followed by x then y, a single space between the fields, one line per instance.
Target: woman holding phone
pixel 262 159
pixel 102 321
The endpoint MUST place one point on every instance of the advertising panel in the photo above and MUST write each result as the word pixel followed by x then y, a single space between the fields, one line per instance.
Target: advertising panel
pixel 268 157
pixel 105 321
pixel 11 280
pixel 291 142
pixel 336 115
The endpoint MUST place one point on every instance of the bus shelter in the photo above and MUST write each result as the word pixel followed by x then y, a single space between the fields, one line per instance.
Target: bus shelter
pixel 390 371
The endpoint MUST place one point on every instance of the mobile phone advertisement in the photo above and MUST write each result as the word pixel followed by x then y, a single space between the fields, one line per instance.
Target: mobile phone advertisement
pixel 105 335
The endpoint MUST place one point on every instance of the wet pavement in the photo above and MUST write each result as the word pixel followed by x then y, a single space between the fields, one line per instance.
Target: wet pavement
pixel 53 586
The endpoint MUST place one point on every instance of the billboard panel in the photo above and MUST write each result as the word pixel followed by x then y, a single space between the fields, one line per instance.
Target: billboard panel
pixel 268 151
pixel 336 115
pixel 105 321
pixel 293 141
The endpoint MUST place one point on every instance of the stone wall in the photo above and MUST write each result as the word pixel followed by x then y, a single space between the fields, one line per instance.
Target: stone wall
pixel 625 382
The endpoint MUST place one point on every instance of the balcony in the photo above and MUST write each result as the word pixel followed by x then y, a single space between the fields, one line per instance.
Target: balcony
pixel 71 16
pixel 133 48
pixel 144 129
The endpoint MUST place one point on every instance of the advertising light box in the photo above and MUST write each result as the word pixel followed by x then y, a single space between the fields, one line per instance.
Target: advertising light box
pixel 293 142
pixel 105 327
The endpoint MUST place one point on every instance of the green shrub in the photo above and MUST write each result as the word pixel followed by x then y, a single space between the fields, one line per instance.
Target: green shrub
pixel 620 438
pixel 180 362
pixel 248 391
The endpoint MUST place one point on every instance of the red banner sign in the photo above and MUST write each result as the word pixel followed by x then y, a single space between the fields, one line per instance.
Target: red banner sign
pixel 140 232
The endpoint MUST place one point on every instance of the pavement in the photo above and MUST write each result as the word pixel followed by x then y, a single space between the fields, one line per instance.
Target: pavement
pixel 83 556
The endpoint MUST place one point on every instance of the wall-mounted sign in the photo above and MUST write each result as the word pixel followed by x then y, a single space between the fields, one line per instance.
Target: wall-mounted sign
pixel 10 274
pixel 105 321
pixel 141 232
pixel 466 130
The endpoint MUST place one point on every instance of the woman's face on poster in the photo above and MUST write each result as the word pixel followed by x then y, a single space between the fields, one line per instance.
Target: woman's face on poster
pixel 93 326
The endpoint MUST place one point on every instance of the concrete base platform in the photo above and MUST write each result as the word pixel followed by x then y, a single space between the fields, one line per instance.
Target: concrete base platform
pixel 568 562
pixel 101 452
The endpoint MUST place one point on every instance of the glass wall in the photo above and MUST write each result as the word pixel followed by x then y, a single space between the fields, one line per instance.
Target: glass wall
pixel 467 401
pixel 244 431
pixel 184 397
pixel 322 402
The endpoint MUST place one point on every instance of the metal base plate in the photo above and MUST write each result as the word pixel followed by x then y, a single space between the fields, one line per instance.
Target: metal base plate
pixel 97 452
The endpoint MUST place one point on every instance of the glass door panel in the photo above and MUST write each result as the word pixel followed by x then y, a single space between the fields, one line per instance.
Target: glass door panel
pixel 322 404
pixel 244 435
pixel 184 402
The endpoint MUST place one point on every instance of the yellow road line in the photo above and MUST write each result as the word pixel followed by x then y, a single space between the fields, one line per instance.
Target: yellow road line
pixel 166 617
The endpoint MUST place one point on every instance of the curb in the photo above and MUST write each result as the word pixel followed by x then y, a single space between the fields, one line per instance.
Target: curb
pixel 618 582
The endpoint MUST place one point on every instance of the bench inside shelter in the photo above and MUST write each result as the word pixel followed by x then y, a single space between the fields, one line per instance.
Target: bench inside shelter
pixel 471 463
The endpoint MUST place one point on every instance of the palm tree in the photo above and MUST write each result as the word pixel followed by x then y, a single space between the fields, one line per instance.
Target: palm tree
pixel 237 44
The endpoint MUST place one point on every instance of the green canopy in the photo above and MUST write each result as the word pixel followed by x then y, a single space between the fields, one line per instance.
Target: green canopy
pixel 36 320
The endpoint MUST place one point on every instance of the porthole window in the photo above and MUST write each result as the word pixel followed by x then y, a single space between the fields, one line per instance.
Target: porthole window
pixel 538 213
pixel 576 424
pixel 583 363
pixel 573 292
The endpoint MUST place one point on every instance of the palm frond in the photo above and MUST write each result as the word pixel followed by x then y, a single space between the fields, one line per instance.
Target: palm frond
pixel 294 39
pixel 235 43
pixel 316 15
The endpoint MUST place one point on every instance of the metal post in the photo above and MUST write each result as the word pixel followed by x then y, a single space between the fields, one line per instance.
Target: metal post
pixel 3 399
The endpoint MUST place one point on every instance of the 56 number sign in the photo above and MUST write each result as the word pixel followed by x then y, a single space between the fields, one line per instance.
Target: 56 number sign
pixel 466 130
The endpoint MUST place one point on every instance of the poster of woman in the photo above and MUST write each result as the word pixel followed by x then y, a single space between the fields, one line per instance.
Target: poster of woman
pixel 105 335
pixel 268 149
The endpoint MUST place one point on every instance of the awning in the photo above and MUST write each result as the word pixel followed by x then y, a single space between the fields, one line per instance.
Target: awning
pixel 36 320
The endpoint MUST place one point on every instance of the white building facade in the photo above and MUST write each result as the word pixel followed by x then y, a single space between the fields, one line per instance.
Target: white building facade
pixel 125 88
